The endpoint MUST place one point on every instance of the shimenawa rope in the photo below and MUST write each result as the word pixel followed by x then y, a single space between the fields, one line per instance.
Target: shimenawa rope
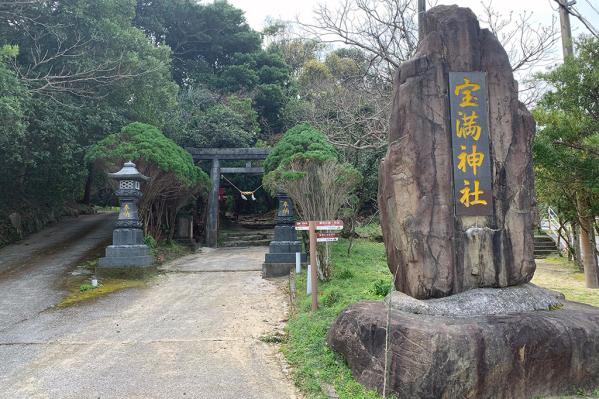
pixel 244 194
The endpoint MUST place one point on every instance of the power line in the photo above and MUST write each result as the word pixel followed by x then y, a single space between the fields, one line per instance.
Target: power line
pixel 592 6
pixel 568 6
pixel 585 22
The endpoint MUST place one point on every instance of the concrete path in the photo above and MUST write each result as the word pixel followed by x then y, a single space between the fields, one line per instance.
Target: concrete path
pixel 32 270
pixel 193 333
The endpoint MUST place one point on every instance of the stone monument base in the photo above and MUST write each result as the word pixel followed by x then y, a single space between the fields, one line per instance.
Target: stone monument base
pixel 281 252
pixel 126 261
pixel 472 345
pixel 276 269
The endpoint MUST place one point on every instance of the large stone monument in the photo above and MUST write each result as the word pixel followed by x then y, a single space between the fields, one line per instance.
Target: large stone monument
pixel 456 194
pixel 128 254
pixel 435 244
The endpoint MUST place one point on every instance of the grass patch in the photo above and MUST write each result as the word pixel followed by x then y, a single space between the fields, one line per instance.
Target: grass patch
pixel 363 275
pixel 275 338
pixel 359 276
pixel 85 292
pixel 559 274
pixel 372 232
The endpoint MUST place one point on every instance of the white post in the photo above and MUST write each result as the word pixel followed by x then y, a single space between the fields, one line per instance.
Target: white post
pixel 309 281
pixel 298 262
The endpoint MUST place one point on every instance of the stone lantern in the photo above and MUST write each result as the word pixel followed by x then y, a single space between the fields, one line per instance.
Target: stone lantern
pixel 282 249
pixel 128 251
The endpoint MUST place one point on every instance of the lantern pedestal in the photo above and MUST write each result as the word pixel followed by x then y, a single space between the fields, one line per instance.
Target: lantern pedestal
pixel 280 258
pixel 128 256
pixel 128 250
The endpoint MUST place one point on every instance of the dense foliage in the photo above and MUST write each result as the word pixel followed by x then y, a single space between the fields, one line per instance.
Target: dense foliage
pixel 174 179
pixel 73 71
pixel 340 96
pixel 215 51
pixel 301 141
pixel 70 72
pixel 566 147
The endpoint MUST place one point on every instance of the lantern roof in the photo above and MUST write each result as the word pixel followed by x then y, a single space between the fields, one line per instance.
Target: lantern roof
pixel 128 172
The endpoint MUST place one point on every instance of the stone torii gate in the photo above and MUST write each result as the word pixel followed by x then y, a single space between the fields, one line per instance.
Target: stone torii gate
pixel 216 155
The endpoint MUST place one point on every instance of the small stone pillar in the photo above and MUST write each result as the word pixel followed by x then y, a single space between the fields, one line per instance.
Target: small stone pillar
pixel 281 254
pixel 128 252
pixel 184 229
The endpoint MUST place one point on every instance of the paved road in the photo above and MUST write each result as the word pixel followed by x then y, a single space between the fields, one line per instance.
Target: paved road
pixel 193 333
pixel 32 271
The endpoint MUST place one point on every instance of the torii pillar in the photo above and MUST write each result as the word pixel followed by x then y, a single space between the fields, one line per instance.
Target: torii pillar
pixel 212 217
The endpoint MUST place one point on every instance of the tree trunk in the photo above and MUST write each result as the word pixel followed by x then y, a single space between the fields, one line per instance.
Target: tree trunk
pixel 88 185
pixel 559 239
pixel 587 244
pixel 576 254
pixel 324 260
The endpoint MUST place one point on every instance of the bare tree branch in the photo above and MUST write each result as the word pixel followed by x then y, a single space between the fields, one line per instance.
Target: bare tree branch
pixel 528 45
pixel 59 58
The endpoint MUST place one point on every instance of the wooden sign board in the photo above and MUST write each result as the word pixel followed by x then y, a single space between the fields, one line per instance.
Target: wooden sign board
pixel 470 144
pixel 321 225
pixel 326 237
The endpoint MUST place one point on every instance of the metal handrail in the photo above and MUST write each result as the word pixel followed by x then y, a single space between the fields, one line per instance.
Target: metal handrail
pixel 552 229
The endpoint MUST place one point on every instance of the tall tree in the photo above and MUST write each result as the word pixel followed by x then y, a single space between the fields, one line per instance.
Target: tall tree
pixel 76 70
pixel 567 143
pixel 214 48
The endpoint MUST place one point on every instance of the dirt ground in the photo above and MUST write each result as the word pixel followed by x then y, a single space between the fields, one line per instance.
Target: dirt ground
pixel 197 330
pixel 561 275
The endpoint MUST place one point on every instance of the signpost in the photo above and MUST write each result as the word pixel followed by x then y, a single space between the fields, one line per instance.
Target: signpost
pixel 326 237
pixel 321 225
pixel 315 238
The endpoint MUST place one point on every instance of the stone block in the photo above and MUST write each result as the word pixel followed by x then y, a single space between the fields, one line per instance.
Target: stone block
pixel 122 251
pixel 128 237
pixel 276 269
pixel 511 355
pixel 288 257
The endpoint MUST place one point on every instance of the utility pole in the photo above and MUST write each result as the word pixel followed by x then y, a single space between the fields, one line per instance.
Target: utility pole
pixel 564 21
pixel 421 11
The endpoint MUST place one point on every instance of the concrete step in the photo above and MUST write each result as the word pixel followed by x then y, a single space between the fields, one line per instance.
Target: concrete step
pixel 544 253
pixel 245 243
pixel 545 245
pixel 543 239
pixel 246 235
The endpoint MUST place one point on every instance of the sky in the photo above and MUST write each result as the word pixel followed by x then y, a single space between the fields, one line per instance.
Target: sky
pixel 257 11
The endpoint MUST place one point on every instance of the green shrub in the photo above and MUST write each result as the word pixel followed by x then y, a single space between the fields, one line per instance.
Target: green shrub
pixel 380 288
pixel 301 141
pixel 344 274
pixel 306 167
pixel 150 241
pixel 149 148
pixel 331 298
pixel 174 178
pixel 371 231
pixel 87 287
